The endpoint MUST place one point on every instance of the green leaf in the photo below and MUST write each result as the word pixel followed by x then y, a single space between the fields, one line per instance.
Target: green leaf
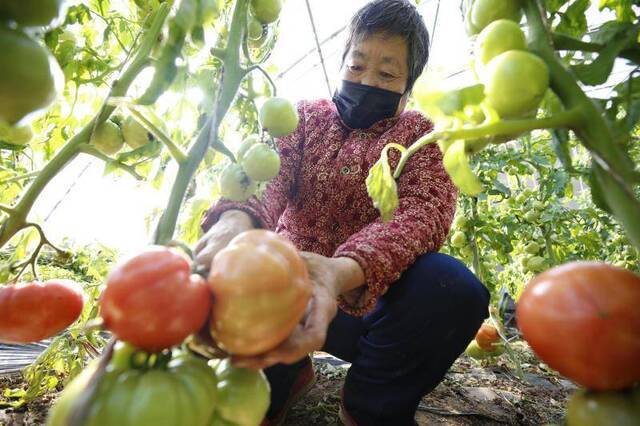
pixel 456 163
pixel 622 8
pixel 382 188
pixel 553 6
pixel 574 20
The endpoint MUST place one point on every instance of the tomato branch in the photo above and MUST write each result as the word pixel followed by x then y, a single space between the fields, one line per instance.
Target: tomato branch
pixel 6 209
pixel 174 149
pixel 19 178
pixel 565 119
pixel 267 76
pixel 93 151
pixel 595 131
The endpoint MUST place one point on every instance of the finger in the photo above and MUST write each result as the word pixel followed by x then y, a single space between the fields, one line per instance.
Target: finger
pixel 205 257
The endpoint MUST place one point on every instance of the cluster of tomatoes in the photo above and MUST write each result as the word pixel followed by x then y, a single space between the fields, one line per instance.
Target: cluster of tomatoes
pixel 256 161
pixel 31 77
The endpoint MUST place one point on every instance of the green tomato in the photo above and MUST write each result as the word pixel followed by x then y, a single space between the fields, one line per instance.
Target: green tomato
pixel 261 162
pixel 531 216
pixel 216 420
pixel 515 83
pixel 536 264
pixel 279 117
pixel 476 352
pixel 521 198
pixel 266 11
pixel 235 185
pixel 254 29
pixel 458 239
pixel 484 12
pixel 590 408
pixel 532 248
pixel 537 205
pixel 15 135
pixel 466 251
pixel 249 141
pixel 122 357
pixel 31 78
pixel 107 138
pixel 469 27
pixel 134 133
pixel 32 13
pixel 243 394
pixel 183 393
pixel 523 262
pixel 498 37
pixel 459 222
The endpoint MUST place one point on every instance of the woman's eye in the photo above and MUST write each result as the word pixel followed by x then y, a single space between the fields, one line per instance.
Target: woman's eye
pixel 355 68
pixel 387 75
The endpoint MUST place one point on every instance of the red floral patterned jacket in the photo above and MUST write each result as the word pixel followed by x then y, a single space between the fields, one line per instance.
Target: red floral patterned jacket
pixel 319 200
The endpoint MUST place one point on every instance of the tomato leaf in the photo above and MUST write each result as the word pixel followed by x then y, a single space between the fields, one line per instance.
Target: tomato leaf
pixel 574 20
pixel 382 187
pixel 456 163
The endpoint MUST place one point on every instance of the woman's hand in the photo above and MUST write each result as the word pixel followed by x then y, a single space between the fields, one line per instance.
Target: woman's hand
pixel 330 277
pixel 230 224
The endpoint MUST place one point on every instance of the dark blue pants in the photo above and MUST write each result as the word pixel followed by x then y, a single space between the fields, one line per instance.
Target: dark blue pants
pixel 401 350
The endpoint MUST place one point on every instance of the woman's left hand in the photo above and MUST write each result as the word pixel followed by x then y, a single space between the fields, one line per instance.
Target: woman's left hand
pixel 327 277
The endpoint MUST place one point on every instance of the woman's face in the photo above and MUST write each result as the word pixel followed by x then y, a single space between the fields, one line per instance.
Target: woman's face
pixel 380 61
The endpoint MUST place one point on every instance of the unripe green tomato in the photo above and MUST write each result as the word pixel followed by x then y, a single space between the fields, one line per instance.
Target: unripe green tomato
pixel 466 251
pixel 537 205
pixel 134 133
pixel 531 216
pixel 30 77
pixel 249 141
pixel 476 352
pixel 498 37
pixel 521 198
pixel 266 11
pixel 235 185
pixel 536 264
pixel 459 222
pixel 243 394
pixel 590 408
pixel 279 117
pixel 532 248
pixel 32 13
pixel 261 162
pixel 254 29
pixel 459 239
pixel 15 135
pixel 523 262
pixel 484 12
pixel 121 359
pixel 515 83
pixel 107 137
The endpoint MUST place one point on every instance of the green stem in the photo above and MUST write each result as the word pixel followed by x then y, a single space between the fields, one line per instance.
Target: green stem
pixel 232 75
pixel 72 148
pixel 267 76
pixel 477 266
pixel 565 42
pixel 93 151
pixel 174 149
pixel 564 119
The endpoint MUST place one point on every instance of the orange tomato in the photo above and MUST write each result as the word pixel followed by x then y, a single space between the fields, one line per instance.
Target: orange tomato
pixel 153 301
pixel 582 319
pixel 34 311
pixel 261 288
pixel 487 336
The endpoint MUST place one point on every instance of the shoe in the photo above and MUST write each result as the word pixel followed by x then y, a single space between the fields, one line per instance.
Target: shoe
pixel 304 382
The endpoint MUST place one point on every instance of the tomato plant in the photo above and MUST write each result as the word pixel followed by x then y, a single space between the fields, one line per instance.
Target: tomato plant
pixel 235 184
pixel 484 12
pixel 260 290
pixel 153 301
pixel 30 312
pixel 266 11
pixel 487 337
pixel 498 37
pixel 581 319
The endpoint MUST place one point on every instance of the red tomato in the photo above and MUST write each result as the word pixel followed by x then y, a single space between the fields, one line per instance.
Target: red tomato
pixel 153 301
pixel 582 319
pixel 35 311
pixel 487 336
pixel 260 292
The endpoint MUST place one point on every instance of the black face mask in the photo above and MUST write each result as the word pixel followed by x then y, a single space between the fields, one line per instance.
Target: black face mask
pixel 362 106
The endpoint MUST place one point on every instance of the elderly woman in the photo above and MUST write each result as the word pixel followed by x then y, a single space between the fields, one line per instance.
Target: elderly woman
pixel 384 299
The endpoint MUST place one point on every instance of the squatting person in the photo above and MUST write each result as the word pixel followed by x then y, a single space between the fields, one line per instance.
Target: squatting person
pixel 384 299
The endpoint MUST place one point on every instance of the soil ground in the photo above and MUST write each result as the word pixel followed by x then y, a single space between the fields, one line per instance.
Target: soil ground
pixel 471 394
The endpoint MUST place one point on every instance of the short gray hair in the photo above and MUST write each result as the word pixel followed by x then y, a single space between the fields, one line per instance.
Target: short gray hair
pixel 393 17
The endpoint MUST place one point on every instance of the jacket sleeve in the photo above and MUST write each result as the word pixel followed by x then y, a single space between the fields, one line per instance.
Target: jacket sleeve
pixel 267 209
pixel 427 203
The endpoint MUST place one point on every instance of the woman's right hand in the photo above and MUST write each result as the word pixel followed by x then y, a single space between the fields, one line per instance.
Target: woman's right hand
pixel 230 224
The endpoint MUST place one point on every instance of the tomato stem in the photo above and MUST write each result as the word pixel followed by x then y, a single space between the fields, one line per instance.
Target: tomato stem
pixel 174 149
pixel 93 151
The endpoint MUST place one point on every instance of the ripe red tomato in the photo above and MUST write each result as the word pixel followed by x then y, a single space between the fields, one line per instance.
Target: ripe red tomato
pixel 487 336
pixel 582 319
pixel 153 301
pixel 34 311
pixel 261 288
